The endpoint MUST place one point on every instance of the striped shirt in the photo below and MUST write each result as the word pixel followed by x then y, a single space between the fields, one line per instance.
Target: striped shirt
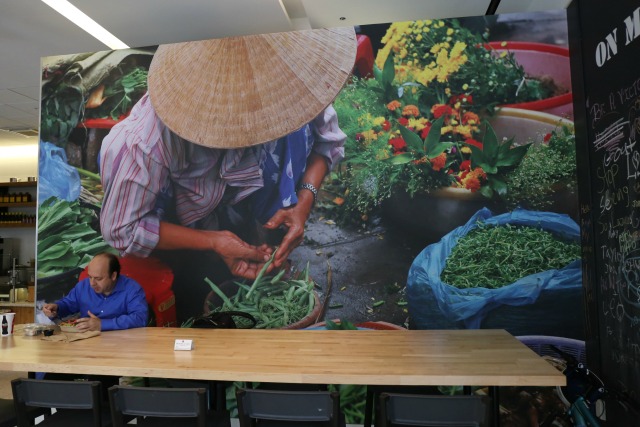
pixel 149 174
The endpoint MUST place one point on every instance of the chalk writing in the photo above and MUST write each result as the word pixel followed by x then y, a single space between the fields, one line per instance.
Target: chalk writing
pixel 609 137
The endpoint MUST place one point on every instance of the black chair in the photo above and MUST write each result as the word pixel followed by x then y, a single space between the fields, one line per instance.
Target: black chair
pixel 371 411
pixel 8 416
pixel 76 402
pixel 159 406
pixel 399 410
pixel 295 408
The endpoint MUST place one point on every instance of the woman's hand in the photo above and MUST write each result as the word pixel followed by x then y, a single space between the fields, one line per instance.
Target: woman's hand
pixel 294 219
pixel 244 260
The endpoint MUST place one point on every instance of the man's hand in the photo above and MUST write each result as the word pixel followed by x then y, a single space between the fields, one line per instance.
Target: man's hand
pixel 91 323
pixel 244 260
pixel 50 310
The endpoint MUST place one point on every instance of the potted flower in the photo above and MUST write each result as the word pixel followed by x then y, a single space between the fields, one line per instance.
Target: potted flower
pixel 417 130
pixel 447 58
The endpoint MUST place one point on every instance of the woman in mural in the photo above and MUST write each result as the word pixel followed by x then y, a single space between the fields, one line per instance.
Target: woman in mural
pixel 232 133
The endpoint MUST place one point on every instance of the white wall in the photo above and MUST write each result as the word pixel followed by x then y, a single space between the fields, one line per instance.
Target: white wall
pixel 18 161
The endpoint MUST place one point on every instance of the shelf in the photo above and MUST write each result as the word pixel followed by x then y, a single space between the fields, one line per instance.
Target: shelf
pixel 19 184
pixel 19 205
pixel 17 304
pixel 17 225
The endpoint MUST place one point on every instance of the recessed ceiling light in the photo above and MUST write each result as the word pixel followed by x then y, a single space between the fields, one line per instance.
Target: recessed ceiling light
pixel 83 21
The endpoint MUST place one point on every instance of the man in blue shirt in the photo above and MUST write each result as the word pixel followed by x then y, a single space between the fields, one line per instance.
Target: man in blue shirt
pixel 105 300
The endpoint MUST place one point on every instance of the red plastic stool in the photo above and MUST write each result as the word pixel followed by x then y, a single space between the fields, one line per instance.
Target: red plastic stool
pixel 156 279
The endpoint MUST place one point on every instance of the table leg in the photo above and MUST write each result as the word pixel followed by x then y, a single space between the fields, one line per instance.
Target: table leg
pixel 494 393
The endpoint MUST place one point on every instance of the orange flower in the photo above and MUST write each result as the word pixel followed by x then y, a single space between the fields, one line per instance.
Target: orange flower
pixel 471 182
pixel 338 201
pixel 437 163
pixel 410 110
pixel 470 118
pixel 480 173
pixel 394 105
pixel 439 110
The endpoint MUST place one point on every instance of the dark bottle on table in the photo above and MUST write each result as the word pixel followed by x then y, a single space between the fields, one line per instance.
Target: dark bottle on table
pixel 5 326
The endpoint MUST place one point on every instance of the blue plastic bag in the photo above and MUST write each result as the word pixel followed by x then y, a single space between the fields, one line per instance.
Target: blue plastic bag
pixel 56 177
pixel 434 304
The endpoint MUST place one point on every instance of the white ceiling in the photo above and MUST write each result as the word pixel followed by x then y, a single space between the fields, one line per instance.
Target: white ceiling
pixel 29 30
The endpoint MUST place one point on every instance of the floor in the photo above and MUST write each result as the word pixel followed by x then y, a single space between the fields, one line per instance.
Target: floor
pixel 5 382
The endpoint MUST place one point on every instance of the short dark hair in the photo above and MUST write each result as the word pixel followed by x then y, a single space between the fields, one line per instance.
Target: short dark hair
pixel 114 262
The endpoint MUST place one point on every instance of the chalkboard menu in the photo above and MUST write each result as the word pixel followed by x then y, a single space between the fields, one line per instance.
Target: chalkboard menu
pixel 605 50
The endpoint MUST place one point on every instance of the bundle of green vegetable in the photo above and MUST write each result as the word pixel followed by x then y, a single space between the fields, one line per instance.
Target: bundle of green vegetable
pixel 120 95
pixel 495 256
pixel 65 237
pixel 275 302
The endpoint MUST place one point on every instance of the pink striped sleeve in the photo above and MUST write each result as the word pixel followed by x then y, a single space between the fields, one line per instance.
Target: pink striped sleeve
pixel 132 176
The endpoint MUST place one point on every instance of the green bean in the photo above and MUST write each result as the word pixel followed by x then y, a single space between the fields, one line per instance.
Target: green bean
pixel 495 256
pixel 261 273
pixel 218 291
pixel 278 276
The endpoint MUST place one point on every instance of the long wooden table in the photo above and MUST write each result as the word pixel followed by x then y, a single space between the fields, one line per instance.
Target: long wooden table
pixel 424 357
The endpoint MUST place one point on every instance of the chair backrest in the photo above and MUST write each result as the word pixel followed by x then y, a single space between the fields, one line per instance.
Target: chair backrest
pixel 433 410
pixel 299 408
pixel 76 395
pixel 544 345
pixel 158 402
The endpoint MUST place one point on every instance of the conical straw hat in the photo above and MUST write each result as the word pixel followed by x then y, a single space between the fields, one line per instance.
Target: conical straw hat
pixel 241 91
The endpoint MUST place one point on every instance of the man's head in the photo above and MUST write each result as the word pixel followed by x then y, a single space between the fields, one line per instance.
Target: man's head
pixel 103 271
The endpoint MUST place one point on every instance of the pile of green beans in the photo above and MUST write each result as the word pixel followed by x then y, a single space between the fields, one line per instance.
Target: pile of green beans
pixel 274 302
pixel 496 256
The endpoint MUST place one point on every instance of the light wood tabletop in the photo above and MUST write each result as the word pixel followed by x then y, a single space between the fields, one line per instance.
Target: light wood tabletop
pixel 413 357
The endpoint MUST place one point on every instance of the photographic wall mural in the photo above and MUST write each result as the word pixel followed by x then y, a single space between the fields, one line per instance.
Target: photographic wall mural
pixel 450 203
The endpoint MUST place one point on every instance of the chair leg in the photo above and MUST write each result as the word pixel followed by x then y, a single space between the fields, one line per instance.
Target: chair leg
pixel 369 407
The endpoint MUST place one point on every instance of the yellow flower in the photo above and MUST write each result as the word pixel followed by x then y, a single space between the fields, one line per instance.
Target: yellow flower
pixel 369 135
pixel 465 150
pixel 378 121
pixel 463 130
pixel 449 31
pixel 417 124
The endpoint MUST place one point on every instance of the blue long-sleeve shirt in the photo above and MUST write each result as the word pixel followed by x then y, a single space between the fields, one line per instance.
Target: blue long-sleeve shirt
pixel 124 308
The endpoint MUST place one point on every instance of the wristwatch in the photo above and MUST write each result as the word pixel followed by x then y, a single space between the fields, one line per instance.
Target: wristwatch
pixel 310 187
